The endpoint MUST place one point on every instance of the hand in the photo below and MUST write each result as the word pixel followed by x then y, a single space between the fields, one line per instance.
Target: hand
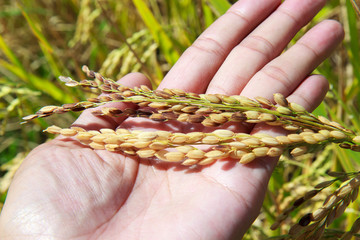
pixel 64 190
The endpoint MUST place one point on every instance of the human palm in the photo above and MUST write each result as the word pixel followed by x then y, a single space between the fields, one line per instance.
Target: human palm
pixel 64 190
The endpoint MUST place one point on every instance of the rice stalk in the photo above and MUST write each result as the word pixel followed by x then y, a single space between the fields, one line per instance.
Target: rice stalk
pixel 305 130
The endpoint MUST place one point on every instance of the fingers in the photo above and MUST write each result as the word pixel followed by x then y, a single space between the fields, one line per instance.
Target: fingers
pixel 266 42
pixel 199 63
pixel 286 72
pixel 88 121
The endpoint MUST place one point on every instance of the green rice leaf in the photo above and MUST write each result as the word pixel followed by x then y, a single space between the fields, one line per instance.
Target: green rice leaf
pixel 220 6
pixel 158 33
pixel 43 85
pixel 35 29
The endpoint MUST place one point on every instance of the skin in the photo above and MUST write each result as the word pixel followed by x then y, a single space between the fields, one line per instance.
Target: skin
pixel 64 190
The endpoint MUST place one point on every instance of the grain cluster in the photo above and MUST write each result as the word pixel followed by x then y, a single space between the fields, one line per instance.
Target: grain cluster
pixel 312 225
pixel 305 131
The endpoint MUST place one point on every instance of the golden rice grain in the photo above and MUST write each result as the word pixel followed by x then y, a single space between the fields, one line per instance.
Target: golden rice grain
pixel 295 138
pixel 158 105
pixel 183 117
pixel 158 145
pixel 309 139
pixel 30 117
pixel 163 135
pixel 158 117
pixel 230 100
pixel 48 109
pixel 356 139
pixel 141 144
pixel 291 127
pixel 84 136
pixel 147 136
pixel 298 151
pixel 264 101
pixel 126 145
pixel 251 142
pixel 280 99
pixel 94 132
pixel 194 137
pixel 178 138
pixel 174 156
pixel 237 154
pixel 53 129
pixel 237 145
pixel 113 139
pixel 210 140
pixel 67 132
pixel 252 114
pixel 211 98
pixel 185 149
pixel 196 154
pixel 306 133
pixel 326 133
pixel 284 110
pixel 215 154
pixel 112 147
pixel 161 154
pixel 319 137
pixel 145 88
pixel 275 152
pixel 209 123
pixel 97 146
pixel 337 134
pixel 246 158
pixel 296 107
pixel 336 124
pixel 223 133
pixel 267 117
pixel 218 118
pixel 205 111
pixel 189 162
pixel 98 138
pixel 270 141
pixel 121 131
pixel 178 92
pixel 247 102
pixel 190 109
pixel 324 120
pixel 284 140
pixel 207 161
pixel 146 153
pixel 260 151
pixel 177 107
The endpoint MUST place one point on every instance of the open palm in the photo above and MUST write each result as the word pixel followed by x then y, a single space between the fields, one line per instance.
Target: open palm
pixel 64 190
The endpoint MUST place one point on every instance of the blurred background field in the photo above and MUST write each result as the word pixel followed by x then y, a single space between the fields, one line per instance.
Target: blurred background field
pixel 41 40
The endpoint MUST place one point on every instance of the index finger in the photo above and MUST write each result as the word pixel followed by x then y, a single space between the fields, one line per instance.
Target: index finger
pixel 199 63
